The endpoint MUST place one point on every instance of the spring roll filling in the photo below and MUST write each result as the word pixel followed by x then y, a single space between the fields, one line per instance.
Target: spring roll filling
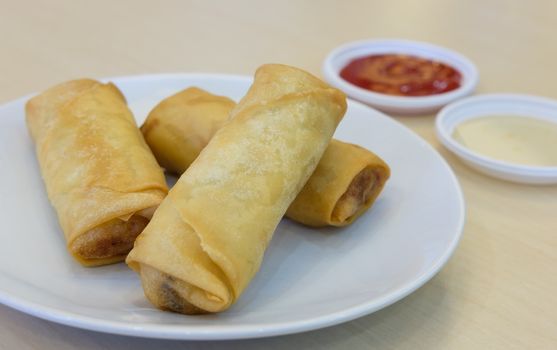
pixel 169 293
pixel 358 193
pixel 113 238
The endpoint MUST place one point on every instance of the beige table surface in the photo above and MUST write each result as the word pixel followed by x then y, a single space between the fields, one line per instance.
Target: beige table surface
pixel 499 290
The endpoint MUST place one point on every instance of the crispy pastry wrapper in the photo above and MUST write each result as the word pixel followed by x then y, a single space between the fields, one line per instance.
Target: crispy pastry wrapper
pixel 179 127
pixel 345 184
pixel 207 239
pixel 100 175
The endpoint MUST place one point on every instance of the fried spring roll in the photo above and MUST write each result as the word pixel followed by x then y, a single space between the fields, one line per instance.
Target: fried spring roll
pixel 345 184
pixel 192 112
pixel 207 239
pixel 99 173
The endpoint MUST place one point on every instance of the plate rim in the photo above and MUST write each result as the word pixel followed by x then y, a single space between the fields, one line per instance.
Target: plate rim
pixel 193 332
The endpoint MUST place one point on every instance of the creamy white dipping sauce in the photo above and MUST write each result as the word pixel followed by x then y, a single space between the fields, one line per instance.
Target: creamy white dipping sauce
pixel 513 139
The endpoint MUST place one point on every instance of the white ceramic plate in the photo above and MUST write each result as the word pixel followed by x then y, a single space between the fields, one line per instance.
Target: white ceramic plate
pixel 309 278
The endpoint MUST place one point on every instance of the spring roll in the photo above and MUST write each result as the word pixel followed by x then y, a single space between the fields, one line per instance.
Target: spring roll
pixel 345 184
pixel 207 239
pixel 192 112
pixel 100 175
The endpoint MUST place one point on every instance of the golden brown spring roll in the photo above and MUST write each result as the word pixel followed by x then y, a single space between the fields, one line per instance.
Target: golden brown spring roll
pixel 99 173
pixel 193 112
pixel 207 239
pixel 345 184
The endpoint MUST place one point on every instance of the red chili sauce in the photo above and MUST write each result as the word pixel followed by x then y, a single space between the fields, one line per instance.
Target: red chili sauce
pixel 401 75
